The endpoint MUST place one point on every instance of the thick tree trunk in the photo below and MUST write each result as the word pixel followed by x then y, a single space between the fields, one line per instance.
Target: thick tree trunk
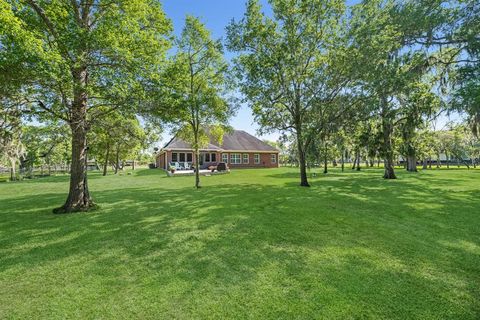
pixel 105 163
pixel 13 174
pixel 78 196
pixel 411 163
pixel 301 158
pixel 387 145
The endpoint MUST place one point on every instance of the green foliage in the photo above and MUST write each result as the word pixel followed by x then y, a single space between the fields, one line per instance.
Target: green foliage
pixel 46 145
pixel 116 137
pixel 289 65
pixel 193 91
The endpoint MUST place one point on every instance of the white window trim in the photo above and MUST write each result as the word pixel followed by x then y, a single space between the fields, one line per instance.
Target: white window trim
pixel 225 157
pixel 273 158
pixel 256 158
pixel 234 157
pixel 243 158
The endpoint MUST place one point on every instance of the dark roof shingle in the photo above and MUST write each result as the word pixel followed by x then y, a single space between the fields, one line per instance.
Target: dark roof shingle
pixel 237 140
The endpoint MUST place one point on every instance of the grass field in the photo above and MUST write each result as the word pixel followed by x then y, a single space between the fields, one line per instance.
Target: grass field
pixel 251 244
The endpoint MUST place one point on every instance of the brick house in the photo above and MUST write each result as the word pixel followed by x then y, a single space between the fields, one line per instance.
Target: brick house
pixel 239 149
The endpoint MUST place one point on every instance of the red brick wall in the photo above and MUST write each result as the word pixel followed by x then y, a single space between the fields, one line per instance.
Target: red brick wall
pixel 161 161
pixel 265 160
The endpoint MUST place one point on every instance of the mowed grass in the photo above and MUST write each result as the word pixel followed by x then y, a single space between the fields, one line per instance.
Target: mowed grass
pixel 250 244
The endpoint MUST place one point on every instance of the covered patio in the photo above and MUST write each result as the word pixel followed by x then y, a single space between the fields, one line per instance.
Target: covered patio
pixel 203 172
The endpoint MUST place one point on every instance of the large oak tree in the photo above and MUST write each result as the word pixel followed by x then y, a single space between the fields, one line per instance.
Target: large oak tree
pixel 86 55
pixel 284 64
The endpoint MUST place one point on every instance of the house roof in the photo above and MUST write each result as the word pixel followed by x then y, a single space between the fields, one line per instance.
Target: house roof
pixel 237 140
pixel 241 140
pixel 177 143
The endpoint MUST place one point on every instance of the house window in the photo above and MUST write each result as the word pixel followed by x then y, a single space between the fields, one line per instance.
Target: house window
pixel 207 157
pixel 182 157
pixel 245 158
pixel 214 157
pixel 189 157
pixel 256 158
pixel 225 157
pixel 235 158
pixel 174 157
pixel 273 158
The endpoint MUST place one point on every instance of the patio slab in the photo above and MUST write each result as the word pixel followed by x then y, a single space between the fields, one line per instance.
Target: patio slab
pixel 191 172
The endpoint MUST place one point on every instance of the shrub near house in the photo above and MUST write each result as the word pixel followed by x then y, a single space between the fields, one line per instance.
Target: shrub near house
pixel 238 149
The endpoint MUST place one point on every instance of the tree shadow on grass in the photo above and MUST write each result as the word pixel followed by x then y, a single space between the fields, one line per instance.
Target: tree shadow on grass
pixel 362 247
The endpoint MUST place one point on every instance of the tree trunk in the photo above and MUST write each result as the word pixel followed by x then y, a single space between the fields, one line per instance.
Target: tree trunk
pixel 448 160
pixel 358 160
pixel 78 196
pixel 197 160
pixel 343 160
pixel 411 163
pixel 13 174
pixel 325 161
pixel 301 156
pixel 303 170
pixel 387 144
pixel 425 164
pixel 105 163
pixel 117 159
pixel 197 168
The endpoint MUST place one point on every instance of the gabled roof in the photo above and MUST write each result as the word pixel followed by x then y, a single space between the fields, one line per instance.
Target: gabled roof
pixel 177 143
pixel 237 140
pixel 241 140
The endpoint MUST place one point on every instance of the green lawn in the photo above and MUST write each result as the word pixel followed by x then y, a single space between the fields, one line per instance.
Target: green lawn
pixel 251 244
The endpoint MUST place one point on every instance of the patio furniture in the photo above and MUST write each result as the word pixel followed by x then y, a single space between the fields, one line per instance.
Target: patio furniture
pixel 187 165
pixel 176 165
pixel 222 166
